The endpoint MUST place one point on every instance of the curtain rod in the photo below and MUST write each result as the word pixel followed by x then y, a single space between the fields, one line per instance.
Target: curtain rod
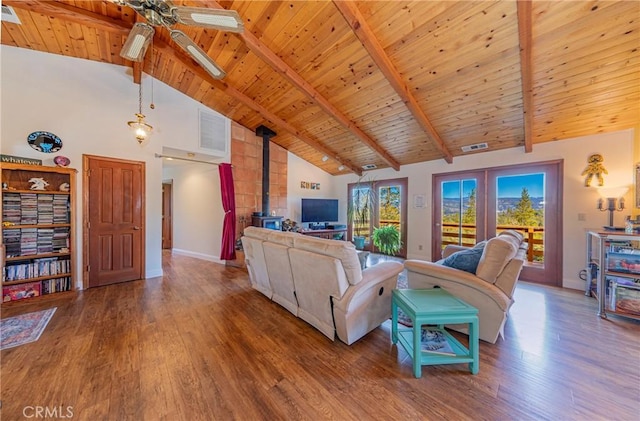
pixel 187 159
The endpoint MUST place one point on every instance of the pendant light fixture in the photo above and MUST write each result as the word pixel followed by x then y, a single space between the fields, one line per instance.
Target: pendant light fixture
pixel 141 128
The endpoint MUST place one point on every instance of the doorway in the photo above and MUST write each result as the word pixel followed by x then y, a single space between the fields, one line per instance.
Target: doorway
pixel 114 215
pixel 167 217
pixel 475 205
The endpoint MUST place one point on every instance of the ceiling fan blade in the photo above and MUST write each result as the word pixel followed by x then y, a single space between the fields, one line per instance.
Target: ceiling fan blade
pixel 137 42
pixel 225 20
pixel 197 54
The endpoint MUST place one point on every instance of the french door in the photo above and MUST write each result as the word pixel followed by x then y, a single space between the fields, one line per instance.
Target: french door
pixel 389 207
pixel 476 205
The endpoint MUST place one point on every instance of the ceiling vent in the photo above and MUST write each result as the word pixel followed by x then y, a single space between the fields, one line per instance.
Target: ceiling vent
pixel 214 133
pixel 9 15
pixel 369 167
pixel 476 147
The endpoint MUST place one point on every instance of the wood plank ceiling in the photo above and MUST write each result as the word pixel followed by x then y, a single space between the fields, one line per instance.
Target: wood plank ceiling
pixel 387 83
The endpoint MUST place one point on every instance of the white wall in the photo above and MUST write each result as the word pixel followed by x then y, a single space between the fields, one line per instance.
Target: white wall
pixel 300 170
pixel 617 149
pixel 87 104
pixel 197 210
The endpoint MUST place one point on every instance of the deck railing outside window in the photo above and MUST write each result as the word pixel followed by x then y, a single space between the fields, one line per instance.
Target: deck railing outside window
pixel 465 235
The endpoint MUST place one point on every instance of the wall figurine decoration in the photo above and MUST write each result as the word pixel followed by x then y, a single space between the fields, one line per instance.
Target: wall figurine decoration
pixel 594 169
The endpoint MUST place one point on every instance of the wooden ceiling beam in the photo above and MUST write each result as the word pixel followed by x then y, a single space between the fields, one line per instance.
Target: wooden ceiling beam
pixel 272 59
pixel 186 61
pixel 83 17
pixel 366 36
pixel 525 38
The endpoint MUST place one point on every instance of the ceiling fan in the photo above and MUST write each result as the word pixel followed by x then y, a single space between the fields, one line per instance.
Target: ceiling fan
pixel 165 13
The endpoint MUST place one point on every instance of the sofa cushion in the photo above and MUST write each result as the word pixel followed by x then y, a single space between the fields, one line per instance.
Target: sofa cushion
pixel 255 232
pixel 283 238
pixel 466 260
pixel 338 249
pixel 497 253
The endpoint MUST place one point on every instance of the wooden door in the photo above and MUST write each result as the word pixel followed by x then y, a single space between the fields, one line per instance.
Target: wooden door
pixel 167 221
pixel 114 220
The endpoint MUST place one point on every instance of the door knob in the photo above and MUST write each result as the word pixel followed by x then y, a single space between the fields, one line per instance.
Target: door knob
pixel 136 227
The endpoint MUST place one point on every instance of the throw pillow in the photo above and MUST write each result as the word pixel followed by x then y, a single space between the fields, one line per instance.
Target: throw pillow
pixel 466 260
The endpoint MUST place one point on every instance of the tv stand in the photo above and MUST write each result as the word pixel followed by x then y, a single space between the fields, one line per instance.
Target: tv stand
pixel 334 234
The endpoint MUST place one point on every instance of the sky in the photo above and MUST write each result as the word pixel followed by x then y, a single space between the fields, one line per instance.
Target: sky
pixel 508 186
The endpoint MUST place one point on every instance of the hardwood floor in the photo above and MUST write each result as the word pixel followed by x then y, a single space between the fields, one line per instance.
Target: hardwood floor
pixel 200 344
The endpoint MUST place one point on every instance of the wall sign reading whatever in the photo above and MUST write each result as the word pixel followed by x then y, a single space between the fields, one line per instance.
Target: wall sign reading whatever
pixel 20 160
pixel 308 185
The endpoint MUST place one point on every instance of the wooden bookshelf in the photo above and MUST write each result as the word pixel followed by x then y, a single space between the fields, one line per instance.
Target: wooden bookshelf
pixel 38 231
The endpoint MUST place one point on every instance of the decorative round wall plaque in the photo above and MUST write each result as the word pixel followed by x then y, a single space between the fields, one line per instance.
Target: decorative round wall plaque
pixel 44 142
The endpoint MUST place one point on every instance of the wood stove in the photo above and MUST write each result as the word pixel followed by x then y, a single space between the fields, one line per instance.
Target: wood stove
pixel 262 219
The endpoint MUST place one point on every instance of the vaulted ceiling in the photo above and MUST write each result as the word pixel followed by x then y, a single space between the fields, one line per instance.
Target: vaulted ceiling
pixel 387 83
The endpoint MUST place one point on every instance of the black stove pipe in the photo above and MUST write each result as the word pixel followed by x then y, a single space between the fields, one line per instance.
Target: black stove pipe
pixel 266 134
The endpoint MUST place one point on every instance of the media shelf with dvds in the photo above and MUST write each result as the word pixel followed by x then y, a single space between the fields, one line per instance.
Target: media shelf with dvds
pixel 613 272
pixel 38 231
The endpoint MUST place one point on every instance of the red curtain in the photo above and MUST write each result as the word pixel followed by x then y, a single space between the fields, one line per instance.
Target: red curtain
pixel 228 251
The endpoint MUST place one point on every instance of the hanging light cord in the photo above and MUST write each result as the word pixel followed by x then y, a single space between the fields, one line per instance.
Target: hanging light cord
pixel 140 96
pixel 152 105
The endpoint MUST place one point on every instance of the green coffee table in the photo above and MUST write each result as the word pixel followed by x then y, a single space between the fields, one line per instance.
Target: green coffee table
pixel 434 307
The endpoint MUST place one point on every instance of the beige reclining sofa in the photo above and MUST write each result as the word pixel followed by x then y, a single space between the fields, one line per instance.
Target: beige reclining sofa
pixel 320 281
pixel 489 288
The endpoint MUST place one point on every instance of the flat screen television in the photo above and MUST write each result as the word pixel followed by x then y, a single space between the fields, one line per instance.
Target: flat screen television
pixel 319 210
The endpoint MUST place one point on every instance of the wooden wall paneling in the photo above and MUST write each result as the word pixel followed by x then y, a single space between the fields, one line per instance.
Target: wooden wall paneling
pixel 47 33
pixel 617 59
pixel 551 18
pixel 91 42
pixel 77 39
pixel 12 36
pixel 30 32
pixel 400 22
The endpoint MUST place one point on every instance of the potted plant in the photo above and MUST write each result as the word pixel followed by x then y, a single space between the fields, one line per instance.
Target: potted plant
pixel 359 209
pixel 387 239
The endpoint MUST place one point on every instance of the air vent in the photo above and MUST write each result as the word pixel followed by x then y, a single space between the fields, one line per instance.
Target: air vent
pixel 214 132
pixel 9 15
pixel 476 147
pixel 369 167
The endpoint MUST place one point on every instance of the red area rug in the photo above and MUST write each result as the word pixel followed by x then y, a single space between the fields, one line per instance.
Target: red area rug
pixel 20 330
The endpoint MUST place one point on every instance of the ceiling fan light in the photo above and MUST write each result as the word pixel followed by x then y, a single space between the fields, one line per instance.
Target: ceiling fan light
pixel 137 42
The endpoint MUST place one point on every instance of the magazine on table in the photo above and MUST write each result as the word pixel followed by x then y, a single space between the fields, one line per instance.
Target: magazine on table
pixel 435 342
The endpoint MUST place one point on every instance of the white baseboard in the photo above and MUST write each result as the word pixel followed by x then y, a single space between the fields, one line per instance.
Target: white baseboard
pixel 153 273
pixel 202 256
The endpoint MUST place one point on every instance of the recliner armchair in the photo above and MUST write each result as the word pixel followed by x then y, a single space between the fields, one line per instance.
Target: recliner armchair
pixel 489 288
